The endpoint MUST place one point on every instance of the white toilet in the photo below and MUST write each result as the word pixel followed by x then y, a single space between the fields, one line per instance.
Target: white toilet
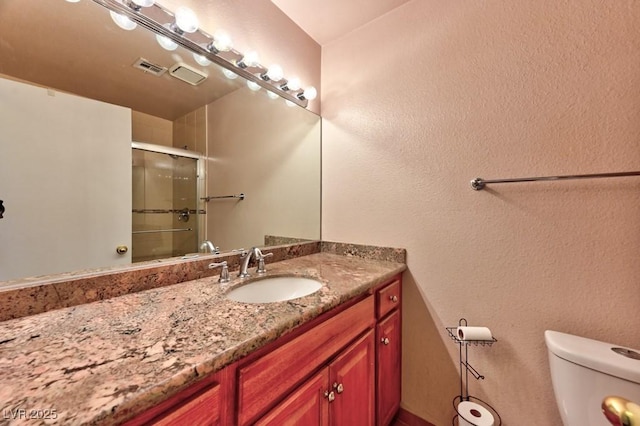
pixel 584 372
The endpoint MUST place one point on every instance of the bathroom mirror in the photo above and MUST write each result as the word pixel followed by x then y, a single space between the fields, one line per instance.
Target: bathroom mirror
pixel 252 144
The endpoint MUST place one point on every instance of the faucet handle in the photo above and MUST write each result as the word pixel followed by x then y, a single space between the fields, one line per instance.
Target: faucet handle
pixel 224 272
pixel 260 256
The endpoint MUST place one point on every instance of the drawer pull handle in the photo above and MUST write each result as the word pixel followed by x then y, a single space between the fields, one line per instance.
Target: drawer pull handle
pixel 331 396
pixel 384 341
pixel 393 298
pixel 338 387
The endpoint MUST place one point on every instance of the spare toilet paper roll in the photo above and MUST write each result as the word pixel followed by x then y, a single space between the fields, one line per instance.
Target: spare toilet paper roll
pixel 474 333
pixel 472 414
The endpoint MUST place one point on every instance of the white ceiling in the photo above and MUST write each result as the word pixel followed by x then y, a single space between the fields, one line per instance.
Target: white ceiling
pixel 328 20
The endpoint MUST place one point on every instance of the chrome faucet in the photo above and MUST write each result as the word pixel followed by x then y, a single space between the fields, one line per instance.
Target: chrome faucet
pixel 224 271
pixel 246 258
pixel 208 247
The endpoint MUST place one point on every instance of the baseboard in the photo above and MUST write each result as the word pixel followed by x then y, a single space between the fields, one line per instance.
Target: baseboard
pixel 409 419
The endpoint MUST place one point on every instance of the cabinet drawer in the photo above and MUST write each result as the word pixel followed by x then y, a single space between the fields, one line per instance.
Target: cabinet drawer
pixel 388 298
pixel 203 409
pixel 264 381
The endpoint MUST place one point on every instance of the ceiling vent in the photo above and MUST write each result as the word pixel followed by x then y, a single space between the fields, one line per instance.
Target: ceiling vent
pixel 187 74
pixel 149 67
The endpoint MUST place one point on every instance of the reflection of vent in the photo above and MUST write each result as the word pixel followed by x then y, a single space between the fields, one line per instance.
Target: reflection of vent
pixel 149 67
pixel 187 74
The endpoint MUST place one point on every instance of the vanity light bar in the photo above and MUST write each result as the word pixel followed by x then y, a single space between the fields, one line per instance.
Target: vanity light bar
pixel 162 21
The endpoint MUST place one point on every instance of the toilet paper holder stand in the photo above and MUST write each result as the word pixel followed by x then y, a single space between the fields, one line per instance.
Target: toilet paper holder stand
pixel 466 368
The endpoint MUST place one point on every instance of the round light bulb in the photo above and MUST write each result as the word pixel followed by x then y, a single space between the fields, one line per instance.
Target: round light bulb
pixel 229 74
pixel 186 19
pixel 294 84
pixel 201 60
pixel 222 41
pixel 144 3
pixel 166 43
pixel 275 73
pixel 272 95
pixel 310 93
pixel 251 59
pixel 253 86
pixel 122 21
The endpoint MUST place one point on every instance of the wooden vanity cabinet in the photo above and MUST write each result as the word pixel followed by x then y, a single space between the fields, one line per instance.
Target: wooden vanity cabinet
pixel 340 394
pixel 342 368
pixel 388 352
pixel 206 403
pixel 282 367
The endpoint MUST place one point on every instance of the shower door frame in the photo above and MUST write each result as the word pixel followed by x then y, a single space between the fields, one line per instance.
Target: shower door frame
pixel 200 181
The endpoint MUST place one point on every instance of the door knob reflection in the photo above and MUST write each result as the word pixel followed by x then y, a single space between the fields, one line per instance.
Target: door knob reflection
pixel 620 411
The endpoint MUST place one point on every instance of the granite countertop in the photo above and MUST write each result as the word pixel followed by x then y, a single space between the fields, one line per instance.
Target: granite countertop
pixel 100 362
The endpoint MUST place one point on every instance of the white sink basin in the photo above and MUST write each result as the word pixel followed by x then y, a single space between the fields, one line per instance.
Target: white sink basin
pixel 274 289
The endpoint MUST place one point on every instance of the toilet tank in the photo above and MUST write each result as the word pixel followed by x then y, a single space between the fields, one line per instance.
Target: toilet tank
pixel 585 371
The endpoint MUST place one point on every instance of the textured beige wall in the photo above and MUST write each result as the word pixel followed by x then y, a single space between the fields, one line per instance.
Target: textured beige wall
pixel 270 152
pixel 434 94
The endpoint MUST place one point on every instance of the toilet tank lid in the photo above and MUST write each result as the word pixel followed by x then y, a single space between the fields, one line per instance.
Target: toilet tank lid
pixel 593 354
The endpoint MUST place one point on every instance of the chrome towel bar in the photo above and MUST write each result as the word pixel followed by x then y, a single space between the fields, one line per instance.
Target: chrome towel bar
pixel 210 197
pixel 153 231
pixel 479 183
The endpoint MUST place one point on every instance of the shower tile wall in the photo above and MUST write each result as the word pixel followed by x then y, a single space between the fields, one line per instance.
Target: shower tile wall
pixel 190 132
pixel 150 129
pixel 187 132
pixel 154 184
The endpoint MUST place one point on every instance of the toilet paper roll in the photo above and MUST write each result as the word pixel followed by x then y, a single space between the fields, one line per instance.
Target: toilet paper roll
pixel 472 414
pixel 474 333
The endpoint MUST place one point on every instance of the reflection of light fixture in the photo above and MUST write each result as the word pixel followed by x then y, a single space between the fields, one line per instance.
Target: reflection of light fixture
pixel 253 86
pixel 274 73
pixel 229 74
pixel 309 93
pixel 289 103
pixel 249 60
pixel 292 84
pixel 272 95
pixel 186 20
pixel 182 29
pixel 166 43
pixel 201 60
pixel 221 42
pixel 73 1
pixel 122 21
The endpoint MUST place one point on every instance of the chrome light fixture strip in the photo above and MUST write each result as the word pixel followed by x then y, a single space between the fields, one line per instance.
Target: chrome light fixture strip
pixel 151 20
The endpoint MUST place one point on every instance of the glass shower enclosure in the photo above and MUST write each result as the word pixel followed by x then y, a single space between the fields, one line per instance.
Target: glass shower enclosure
pixel 167 210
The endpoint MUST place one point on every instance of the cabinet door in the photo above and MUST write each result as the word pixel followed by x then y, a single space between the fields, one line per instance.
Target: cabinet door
pixel 201 410
pixel 389 386
pixel 352 378
pixel 264 381
pixel 306 406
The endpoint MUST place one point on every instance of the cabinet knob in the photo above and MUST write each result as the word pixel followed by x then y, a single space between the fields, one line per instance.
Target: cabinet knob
pixel 122 249
pixel 384 341
pixel 393 298
pixel 338 387
pixel 331 396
